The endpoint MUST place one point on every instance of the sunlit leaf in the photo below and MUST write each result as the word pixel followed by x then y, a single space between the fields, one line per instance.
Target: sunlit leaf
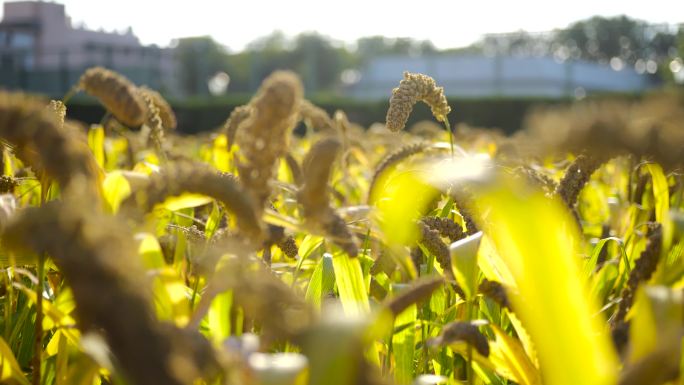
pixel 115 189
pixel 10 372
pixel 661 194
pixel 322 281
pixel 186 200
pixel 537 239
pixel 96 137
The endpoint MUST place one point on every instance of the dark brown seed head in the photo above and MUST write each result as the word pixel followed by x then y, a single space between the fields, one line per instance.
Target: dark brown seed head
pixel 7 184
pixel 496 292
pixel 418 291
pixel 467 332
pixel 436 246
pixel 644 267
pixel 576 177
pixel 447 228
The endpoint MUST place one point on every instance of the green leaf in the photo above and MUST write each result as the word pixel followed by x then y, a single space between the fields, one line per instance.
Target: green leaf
pixel 661 194
pixel 150 251
pixel 403 345
pixel 213 221
pixel 593 259
pixel 322 281
pixel 219 316
pixel 350 284
pixel 309 245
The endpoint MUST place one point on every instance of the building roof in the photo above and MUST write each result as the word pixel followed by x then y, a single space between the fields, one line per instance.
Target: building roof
pixel 482 76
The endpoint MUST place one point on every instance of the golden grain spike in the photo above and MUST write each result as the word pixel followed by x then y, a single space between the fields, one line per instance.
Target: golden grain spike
pixel 237 116
pixel 394 158
pixel 176 179
pixel 414 88
pixel 116 93
pixel 168 117
pixel 58 108
pixel 314 196
pixel 315 117
pixel 317 167
pixel 97 256
pixel 39 140
pixel 264 137
pixel 155 124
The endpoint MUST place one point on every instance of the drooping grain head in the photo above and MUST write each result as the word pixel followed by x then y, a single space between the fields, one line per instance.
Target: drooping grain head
pixel 41 141
pixel 98 258
pixel 237 116
pixel 168 117
pixel 177 178
pixel 116 93
pixel 467 332
pixel 155 123
pixel 264 137
pixel 316 170
pixel 412 89
pixel 576 177
pixel 314 196
pixel 393 159
pixel 315 117
pixel 652 128
pixel 419 290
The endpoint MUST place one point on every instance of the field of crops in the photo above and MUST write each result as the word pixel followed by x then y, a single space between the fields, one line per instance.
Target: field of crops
pixel 349 255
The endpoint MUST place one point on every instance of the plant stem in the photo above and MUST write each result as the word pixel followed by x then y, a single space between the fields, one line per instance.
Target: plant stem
pixel 38 335
pixel 38 338
pixel 451 135
pixel 469 313
pixel 72 91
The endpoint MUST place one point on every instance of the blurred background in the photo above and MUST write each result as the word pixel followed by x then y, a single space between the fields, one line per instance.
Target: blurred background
pixel 494 60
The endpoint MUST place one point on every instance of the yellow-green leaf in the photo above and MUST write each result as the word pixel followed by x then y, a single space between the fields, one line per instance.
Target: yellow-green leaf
pixel 537 239
pixel 115 188
pixel 96 136
pixel 10 372
pixel 350 284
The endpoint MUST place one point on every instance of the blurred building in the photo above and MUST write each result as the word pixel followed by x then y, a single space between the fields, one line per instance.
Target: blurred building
pixel 41 51
pixel 475 76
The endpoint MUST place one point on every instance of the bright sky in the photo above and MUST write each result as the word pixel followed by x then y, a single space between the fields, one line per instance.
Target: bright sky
pixel 447 23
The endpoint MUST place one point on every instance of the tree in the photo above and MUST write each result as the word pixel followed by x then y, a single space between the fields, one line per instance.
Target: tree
pixel 199 58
